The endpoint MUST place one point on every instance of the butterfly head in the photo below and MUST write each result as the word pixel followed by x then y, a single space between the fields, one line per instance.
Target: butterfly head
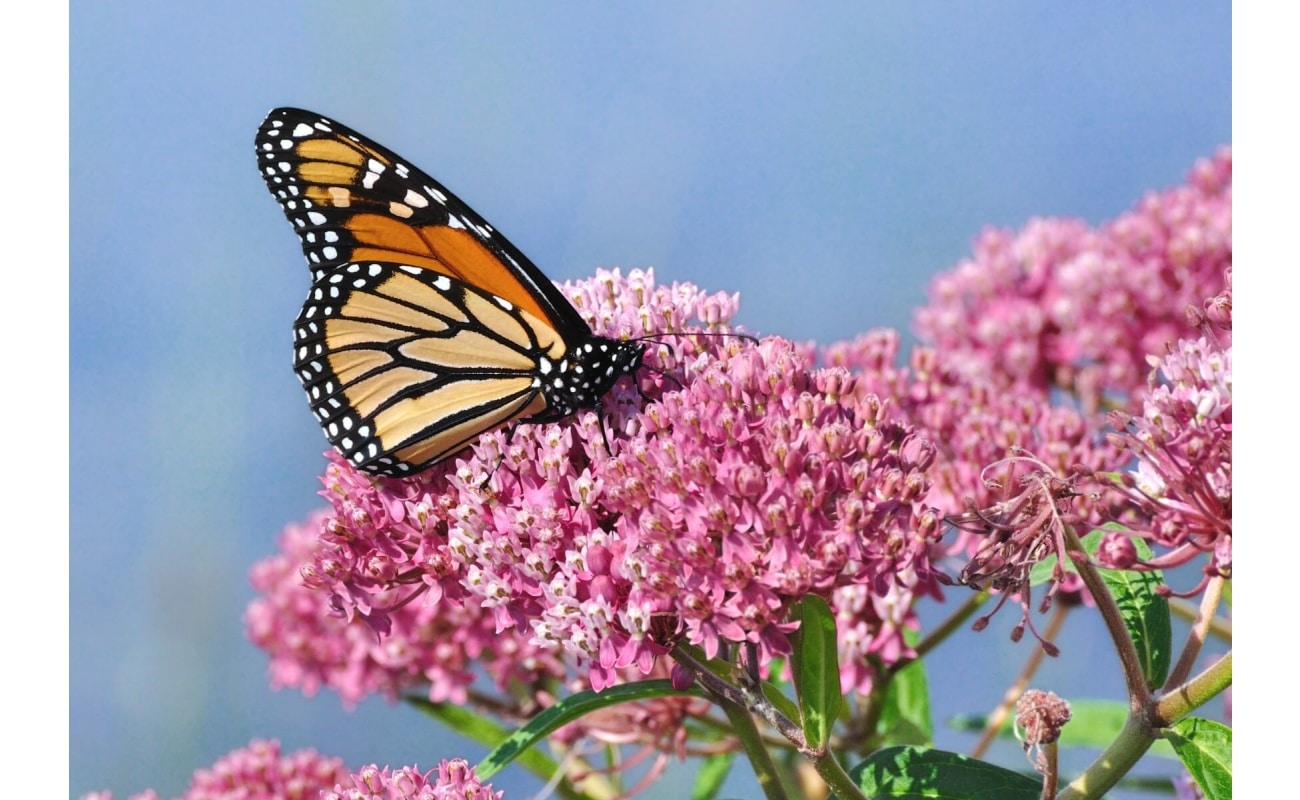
pixel 585 375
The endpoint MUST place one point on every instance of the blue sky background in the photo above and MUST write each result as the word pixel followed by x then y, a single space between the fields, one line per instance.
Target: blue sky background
pixel 824 161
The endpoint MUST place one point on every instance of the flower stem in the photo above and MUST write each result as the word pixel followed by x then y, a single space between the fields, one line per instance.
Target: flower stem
pixel 1196 637
pixel 742 724
pixel 1114 763
pixel 1138 695
pixel 1185 699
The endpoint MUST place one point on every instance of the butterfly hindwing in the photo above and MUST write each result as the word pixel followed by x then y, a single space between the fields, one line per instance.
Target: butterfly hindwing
pixel 404 366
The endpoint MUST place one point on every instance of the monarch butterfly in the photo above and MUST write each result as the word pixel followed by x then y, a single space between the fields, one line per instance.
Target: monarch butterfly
pixel 424 326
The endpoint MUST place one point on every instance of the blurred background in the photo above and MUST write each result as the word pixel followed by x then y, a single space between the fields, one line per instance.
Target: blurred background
pixel 823 161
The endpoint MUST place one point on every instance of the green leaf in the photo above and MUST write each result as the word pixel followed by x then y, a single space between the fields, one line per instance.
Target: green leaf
pixel 1145 614
pixel 484 731
pixel 568 710
pixel 1093 724
pixel 713 771
pixel 816 663
pixel 1205 747
pixel 905 718
pixel 914 773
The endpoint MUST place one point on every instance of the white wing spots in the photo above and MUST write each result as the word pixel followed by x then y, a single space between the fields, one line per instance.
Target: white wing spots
pixel 284 166
pixel 400 210
pixel 329 252
pixel 414 198
pixel 544 366
pixel 316 217
pixel 370 179
pixel 442 283
pixel 375 166
pixel 453 221
pixel 318 295
pixel 375 270
pixel 323 125
pixel 347 423
pixel 364 431
pixel 346 443
pixel 407 268
pixel 402 171
pixel 336 278
pixel 359 458
pixel 332 430
pixel 302 129
pixel 438 196
pixel 331 236
pixel 359 283
pixel 504 303
pixel 277 123
pixel 373 449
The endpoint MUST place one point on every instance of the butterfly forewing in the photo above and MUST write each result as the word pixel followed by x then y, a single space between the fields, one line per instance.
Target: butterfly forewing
pixel 353 200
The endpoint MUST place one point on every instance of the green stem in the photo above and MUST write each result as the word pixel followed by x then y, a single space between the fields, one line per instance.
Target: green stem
pixel 1139 697
pixel 1119 758
pixel 1195 693
pixel 746 731
pixel 1138 733
pixel 837 780
pixel 1196 636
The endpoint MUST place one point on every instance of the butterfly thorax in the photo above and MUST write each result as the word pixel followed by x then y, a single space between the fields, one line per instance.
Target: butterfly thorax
pixel 584 375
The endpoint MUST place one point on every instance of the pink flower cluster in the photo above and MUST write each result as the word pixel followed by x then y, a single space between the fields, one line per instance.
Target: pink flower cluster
pixel 754 479
pixel 1062 305
pixel 455 781
pixel 310 645
pixel 1183 445
pixel 261 772
pixel 975 424
pixel 258 772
